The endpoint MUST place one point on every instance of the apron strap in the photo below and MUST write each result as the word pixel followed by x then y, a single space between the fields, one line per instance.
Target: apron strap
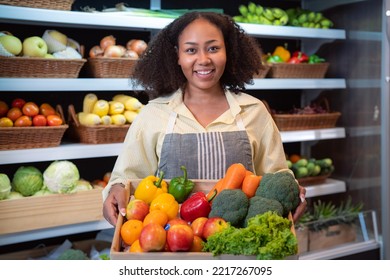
pixel 171 123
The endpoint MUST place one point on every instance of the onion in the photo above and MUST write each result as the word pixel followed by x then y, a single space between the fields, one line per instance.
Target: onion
pixel 137 45
pixel 96 51
pixel 107 41
pixel 114 51
pixel 131 54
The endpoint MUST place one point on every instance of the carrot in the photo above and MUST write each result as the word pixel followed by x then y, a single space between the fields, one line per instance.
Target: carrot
pixel 234 176
pixel 250 184
pixel 217 187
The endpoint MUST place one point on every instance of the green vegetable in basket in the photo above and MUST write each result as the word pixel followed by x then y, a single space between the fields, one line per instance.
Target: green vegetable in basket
pixel 315 59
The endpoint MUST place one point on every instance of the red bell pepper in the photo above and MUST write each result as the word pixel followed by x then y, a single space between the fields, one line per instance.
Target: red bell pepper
pixel 195 206
pixel 300 57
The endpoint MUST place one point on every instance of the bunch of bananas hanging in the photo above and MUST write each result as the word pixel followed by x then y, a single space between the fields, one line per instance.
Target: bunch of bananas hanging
pixel 306 18
pixel 253 13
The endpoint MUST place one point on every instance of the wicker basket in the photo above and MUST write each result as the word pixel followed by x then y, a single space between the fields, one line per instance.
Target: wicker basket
pixel 111 67
pixel 94 134
pixel 288 122
pixel 34 67
pixel 42 4
pixel 13 138
pixel 300 70
pixel 263 72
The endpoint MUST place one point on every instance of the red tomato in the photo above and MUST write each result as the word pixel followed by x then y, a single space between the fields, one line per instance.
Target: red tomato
pixel 14 113
pixel 54 120
pixel 23 121
pixel 39 120
pixel 3 109
pixel 30 109
pixel 18 102
pixel 46 109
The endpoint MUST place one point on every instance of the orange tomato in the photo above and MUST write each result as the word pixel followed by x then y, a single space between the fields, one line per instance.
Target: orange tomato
pixel 156 217
pixel 6 122
pixel 294 158
pixel 197 244
pixel 23 121
pixel 54 120
pixel 131 230
pixel 30 109
pixel 46 109
pixel 107 177
pixel 14 113
pixel 39 120
pixel 3 109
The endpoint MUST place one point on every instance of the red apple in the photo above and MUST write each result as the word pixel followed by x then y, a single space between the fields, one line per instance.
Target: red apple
pixel 180 238
pixel 197 226
pixel 175 221
pixel 213 225
pixel 137 209
pixel 152 238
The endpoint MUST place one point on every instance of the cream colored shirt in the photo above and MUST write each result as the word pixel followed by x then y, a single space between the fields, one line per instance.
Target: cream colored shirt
pixel 142 146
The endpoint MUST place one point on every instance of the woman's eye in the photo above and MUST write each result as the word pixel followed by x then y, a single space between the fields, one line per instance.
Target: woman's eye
pixel 213 49
pixel 190 51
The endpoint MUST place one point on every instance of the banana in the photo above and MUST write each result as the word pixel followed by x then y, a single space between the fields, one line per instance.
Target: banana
pixel 264 20
pixel 259 10
pixel 130 115
pixel 284 19
pixel 277 12
pixel 326 23
pixel 101 108
pixel 89 101
pixel 318 17
pixel 88 118
pixel 243 10
pixel 267 13
pixel 311 16
pixel 252 8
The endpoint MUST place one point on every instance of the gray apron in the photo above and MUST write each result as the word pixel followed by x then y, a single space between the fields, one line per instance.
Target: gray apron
pixel 206 155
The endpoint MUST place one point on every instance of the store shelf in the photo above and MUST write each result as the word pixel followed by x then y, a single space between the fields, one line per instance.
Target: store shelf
pixel 330 186
pixel 312 135
pixel 341 251
pixel 120 21
pixel 80 151
pixel 92 84
pixel 44 233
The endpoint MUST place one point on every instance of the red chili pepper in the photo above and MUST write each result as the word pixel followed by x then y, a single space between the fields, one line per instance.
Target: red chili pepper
pixel 301 56
pixel 196 206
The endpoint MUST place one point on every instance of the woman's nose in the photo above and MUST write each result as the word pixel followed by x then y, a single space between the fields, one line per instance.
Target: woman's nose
pixel 203 58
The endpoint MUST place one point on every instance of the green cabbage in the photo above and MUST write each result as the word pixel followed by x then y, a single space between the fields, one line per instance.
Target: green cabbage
pixel 15 195
pixel 27 180
pixel 5 186
pixel 82 185
pixel 61 176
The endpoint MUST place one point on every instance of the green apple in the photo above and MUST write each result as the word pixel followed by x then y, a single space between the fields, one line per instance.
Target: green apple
pixel 34 46
pixel 49 55
pixel 11 43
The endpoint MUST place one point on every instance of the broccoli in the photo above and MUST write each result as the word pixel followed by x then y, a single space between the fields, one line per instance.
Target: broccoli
pixel 282 187
pixel 260 205
pixel 231 205
pixel 73 254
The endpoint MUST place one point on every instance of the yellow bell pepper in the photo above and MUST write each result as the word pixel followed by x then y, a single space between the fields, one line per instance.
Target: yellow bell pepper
pixel 167 203
pixel 150 187
pixel 282 52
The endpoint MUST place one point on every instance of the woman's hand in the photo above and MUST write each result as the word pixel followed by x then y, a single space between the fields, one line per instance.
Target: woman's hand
pixel 301 206
pixel 116 200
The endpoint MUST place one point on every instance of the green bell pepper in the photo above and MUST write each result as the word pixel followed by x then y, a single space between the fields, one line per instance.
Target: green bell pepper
pixel 181 187
pixel 315 59
pixel 275 59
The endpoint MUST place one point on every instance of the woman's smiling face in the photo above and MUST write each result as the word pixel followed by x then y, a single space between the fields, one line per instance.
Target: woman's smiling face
pixel 202 55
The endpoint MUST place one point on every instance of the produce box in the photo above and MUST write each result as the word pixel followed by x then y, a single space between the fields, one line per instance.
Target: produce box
pixel 331 236
pixel 36 67
pixel 39 212
pixel 116 252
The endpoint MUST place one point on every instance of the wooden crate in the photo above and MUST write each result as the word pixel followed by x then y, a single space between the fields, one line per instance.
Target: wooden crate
pixel 331 236
pixel 39 212
pixel 116 252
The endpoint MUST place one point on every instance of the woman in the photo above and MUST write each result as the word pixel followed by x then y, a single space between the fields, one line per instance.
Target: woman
pixel 196 69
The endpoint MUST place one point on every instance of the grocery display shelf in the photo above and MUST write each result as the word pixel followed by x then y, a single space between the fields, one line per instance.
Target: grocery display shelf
pixel 121 21
pixel 80 151
pixel 330 186
pixel 45 233
pixel 96 84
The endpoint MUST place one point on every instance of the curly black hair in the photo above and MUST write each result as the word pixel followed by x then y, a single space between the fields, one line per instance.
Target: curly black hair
pixel 158 72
